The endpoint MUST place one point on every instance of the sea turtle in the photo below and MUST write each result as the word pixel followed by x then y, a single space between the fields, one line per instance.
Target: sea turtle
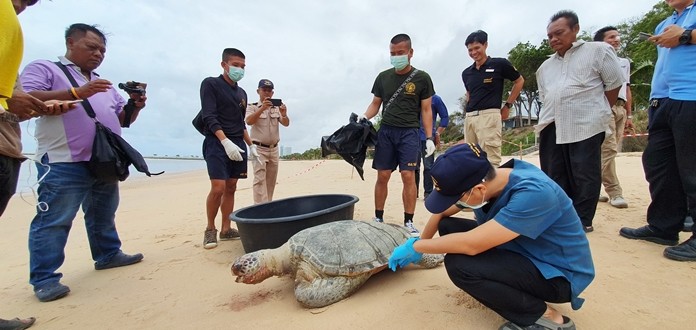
pixel 330 261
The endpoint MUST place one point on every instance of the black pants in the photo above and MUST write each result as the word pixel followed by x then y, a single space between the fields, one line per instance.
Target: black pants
pixel 669 162
pixel 504 281
pixel 9 175
pixel 576 167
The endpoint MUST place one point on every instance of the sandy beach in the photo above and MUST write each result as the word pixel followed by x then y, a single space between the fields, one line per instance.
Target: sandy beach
pixel 180 285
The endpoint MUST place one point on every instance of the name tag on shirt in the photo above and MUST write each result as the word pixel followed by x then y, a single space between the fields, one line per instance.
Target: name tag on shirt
pixel 489 70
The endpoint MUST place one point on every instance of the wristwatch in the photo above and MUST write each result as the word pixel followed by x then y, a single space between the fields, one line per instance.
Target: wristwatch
pixel 629 117
pixel 508 104
pixel 685 37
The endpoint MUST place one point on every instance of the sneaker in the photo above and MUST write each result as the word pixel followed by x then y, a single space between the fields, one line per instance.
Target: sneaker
pixel 587 229
pixel 618 202
pixel 210 239
pixel 647 234
pixel 688 224
pixel 603 199
pixel 683 252
pixel 233 233
pixel 412 229
pixel 120 259
pixel 51 291
pixel 376 219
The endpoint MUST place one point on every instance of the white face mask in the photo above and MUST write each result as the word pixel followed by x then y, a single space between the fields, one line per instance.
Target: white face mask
pixel 465 204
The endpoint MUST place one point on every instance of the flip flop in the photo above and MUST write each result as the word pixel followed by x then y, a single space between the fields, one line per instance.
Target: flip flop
pixel 16 323
pixel 541 324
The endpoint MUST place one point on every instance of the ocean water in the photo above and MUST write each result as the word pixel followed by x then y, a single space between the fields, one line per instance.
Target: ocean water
pixel 27 174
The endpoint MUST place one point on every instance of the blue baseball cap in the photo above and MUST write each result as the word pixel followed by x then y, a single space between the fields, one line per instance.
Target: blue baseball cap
pixel 455 172
pixel 265 83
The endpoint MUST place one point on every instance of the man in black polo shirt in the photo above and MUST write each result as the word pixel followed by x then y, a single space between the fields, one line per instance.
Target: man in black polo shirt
pixel 223 105
pixel 483 82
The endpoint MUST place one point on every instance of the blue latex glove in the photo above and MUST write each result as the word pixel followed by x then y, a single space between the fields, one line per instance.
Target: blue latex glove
pixel 404 254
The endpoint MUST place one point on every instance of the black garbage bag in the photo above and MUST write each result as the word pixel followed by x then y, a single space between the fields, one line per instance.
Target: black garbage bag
pixel 351 142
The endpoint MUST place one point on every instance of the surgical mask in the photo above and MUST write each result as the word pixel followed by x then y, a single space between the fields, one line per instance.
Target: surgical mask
pixel 235 73
pixel 399 62
pixel 473 207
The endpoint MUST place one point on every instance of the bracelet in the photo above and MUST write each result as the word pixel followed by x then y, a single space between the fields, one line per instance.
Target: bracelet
pixel 73 92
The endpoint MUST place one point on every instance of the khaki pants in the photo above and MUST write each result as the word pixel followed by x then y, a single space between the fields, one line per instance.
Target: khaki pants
pixel 610 147
pixel 486 130
pixel 265 174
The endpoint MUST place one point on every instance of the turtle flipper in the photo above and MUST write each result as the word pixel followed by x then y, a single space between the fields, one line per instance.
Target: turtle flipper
pixel 322 292
pixel 431 260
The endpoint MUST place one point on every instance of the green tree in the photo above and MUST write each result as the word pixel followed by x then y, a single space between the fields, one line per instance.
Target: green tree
pixel 455 128
pixel 642 54
pixel 527 58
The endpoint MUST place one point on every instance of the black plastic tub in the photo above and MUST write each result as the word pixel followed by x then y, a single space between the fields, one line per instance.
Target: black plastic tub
pixel 270 225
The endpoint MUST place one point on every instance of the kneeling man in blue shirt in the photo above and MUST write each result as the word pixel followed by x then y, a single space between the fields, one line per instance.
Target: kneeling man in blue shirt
pixel 526 247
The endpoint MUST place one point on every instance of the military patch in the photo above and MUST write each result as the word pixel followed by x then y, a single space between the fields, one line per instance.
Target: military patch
pixel 410 88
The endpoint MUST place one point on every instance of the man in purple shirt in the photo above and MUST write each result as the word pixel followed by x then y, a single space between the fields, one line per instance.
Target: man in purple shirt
pixel 64 147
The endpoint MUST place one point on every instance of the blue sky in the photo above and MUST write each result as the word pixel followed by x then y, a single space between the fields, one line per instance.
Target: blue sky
pixel 323 56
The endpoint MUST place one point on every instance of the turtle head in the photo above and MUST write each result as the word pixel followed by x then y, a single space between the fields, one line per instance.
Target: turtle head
pixel 251 268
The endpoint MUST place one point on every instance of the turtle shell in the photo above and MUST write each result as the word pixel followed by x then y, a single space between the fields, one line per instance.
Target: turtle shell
pixel 348 247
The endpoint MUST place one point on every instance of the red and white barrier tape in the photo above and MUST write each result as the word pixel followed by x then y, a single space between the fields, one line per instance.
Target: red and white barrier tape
pixel 635 135
pixel 304 171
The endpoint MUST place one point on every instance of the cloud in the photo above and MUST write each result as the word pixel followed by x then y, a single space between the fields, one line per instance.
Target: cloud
pixel 323 56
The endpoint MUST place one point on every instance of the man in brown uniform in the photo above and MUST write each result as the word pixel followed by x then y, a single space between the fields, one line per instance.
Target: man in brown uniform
pixel 264 117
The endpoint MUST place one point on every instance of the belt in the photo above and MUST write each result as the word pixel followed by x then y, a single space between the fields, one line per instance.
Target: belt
pixel 654 103
pixel 620 102
pixel 481 112
pixel 264 145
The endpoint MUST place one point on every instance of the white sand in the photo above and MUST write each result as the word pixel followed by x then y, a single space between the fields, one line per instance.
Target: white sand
pixel 180 285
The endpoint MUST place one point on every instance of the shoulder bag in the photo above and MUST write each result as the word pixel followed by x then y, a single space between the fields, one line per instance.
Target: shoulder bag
pixel 111 154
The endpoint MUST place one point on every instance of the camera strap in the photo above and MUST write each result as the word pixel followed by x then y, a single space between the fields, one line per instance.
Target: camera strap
pixel 85 103
pixel 398 91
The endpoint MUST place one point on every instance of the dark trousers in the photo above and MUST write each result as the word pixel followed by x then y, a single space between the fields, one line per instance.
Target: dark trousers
pixel 502 280
pixel 669 162
pixel 427 163
pixel 576 167
pixel 9 175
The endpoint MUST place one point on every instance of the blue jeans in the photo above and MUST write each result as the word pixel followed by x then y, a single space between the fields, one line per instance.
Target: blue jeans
pixel 61 192
pixel 427 164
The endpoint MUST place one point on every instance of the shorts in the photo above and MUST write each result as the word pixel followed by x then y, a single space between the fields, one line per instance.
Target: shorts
pixel 397 146
pixel 221 167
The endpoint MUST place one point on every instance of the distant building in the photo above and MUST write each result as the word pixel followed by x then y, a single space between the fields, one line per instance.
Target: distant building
pixel 284 151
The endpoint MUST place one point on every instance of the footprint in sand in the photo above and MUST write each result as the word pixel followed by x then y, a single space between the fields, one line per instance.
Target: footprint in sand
pixel 239 303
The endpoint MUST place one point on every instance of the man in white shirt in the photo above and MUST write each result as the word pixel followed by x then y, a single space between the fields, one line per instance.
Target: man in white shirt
pixel 577 84
pixel 621 119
